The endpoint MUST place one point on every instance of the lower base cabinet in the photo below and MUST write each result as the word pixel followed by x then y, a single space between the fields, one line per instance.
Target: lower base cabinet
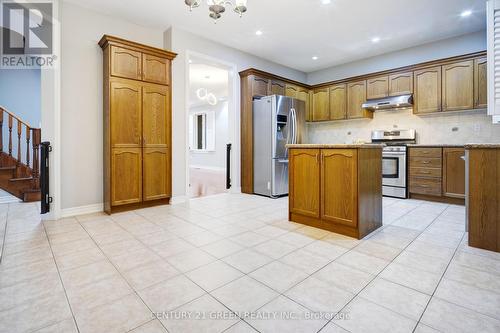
pixel 126 164
pixel 156 168
pixel 339 190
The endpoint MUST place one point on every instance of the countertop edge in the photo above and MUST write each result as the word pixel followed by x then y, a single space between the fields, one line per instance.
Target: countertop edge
pixel 482 146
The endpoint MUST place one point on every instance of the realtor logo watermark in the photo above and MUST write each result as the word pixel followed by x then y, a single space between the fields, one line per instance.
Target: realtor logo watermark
pixel 27 34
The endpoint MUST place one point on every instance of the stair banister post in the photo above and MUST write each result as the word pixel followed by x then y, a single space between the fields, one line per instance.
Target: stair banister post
pixel 28 130
pixel 10 134
pixel 19 131
pixel 36 160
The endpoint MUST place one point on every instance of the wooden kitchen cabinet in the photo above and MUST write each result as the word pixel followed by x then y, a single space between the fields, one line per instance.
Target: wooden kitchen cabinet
pixel 454 172
pixel 291 91
pixel 155 69
pixel 480 83
pixel 377 87
pixel 336 189
pixel 401 84
pixel 126 169
pixel 338 102
pixel 304 191
pixel 260 86
pixel 356 96
pixel 126 111
pixel 427 85
pixel 126 63
pixel 458 86
pixel 339 196
pixel 156 168
pixel 304 95
pixel 277 88
pixel 321 104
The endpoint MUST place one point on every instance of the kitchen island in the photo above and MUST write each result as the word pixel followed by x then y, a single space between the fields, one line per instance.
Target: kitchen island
pixel 336 187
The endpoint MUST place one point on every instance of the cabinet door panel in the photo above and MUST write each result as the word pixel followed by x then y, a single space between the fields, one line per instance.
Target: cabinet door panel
pixel 156 116
pixel 427 96
pixel 338 102
pixel 304 182
pixel 400 84
pixel 126 63
pixel 356 96
pixel 260 86
pixel 126 175
pixel 303 95
pixel 480 84
pixel 126 119
pixel 321 104
pixel 156 174
pixel 458 86
pixel 453 172
pixel 277 88
pixel 377 87
pixel 291 91
pixel 339 194
pixel 155 69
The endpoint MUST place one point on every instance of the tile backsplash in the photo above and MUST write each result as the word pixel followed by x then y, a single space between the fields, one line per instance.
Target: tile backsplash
pixel 452 128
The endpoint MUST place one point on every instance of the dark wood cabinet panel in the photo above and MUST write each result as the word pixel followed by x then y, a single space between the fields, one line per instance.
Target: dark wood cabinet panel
pixel 427 97
pixel 126 171
pixel 305 187
pixel 377 87
pixel 126 63
pixel 126 113
pixel 338 102
pixel 458 86
pixel 156 174
pixel 277 88
pixel 156 69
pixel 480 83
pixel 260 86
pixel 155 115
pixel 401 84
pixel 454 172
pixel 356 96
pixel 321 104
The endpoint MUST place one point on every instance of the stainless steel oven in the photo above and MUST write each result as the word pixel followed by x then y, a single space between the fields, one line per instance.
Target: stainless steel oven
pixel 394 160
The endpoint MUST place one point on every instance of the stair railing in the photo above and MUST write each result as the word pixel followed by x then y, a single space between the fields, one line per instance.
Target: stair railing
pixel 30 135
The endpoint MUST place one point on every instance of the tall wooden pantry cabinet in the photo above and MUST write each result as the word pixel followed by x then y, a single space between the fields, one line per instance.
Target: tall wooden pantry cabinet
pixel 137 125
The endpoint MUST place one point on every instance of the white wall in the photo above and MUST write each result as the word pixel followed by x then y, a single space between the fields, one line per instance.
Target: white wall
pixel 469 43
pixel 213 159
pixel 82 98
pixel 182 42
pixel 470 126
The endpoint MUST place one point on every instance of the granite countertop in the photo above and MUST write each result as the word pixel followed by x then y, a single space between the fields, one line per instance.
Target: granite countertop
pixel 438 145
pixel 482 146
pixel 335 146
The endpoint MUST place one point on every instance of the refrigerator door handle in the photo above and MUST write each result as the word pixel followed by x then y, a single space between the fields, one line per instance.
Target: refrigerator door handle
pixel 294 121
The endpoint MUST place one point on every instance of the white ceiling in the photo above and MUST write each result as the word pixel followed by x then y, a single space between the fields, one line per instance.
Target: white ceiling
pixel 204 75
pixel 296 30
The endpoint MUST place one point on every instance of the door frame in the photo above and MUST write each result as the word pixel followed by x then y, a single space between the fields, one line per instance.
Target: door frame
pixel 233 118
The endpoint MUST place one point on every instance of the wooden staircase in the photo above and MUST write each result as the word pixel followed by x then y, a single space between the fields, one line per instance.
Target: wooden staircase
pixel 20 174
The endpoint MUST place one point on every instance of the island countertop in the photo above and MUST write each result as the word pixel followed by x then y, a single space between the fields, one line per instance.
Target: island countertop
pixel 482 146
pixel 335 146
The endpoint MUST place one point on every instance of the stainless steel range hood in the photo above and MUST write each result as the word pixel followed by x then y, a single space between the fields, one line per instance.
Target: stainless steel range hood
pixel 395 102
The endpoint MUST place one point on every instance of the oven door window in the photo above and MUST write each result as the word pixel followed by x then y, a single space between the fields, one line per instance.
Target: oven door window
pixel 390 167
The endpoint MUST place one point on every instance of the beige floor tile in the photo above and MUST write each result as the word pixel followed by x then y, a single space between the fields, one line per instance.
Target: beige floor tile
pixel 214 275
pixel 295 239
pixel 411 277
pixel 422 262
pixel 65 326
pixel 80 258
pixel 363 262
pixel 241 327
pixel 271 231
pixel 26 258
pixel 378 250
pixel 480 263
pixel 345 277
pixel 325 249
pixel 122 248
pixel 290 317
pixel 150 274
pixel 202 238
pixel 17 274
pixel 244 295
pixel 247 260
pixel 134 259
pixel 278 276
pixel 421 328
pixel 319 296
pixel 249 239
pixel 189 260
pixel 72 247
pixel 153 326
pixel 274 249
pixel 471 276
pixel 390 239
pixel 431 250
pixel 229 230
pixel 305 261
pixel 448 317
pixel 37 314
pixel 98 293
pixel 68 237
pixel 113 237
pixel 87 274
pixel 170 294
pixel 366 316
pixel 341 240
pixel 480 300
pixel 171 247
pixel 119 316
pixel 202 317
pixel 405 301
pixel 332 327
pixel 312 232
pixel 222 248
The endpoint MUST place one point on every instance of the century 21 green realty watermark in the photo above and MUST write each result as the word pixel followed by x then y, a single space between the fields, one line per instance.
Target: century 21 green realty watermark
pixel 27 39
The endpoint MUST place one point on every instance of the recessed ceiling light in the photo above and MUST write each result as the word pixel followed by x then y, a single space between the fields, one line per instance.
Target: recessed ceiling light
pixel 466 13
pixel 314 58
pixel 258 33
pixel 326 2
pixel 375 39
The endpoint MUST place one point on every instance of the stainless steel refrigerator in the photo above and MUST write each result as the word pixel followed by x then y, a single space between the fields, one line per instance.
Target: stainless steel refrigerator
pixel 277 121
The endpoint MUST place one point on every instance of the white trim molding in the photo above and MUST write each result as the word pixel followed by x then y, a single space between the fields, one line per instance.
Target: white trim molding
pixel 179 199
pixel 82 210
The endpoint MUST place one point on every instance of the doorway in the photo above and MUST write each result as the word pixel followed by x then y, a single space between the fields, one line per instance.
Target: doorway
pixel 209 112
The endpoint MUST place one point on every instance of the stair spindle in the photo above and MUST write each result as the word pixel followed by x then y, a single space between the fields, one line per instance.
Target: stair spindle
pixel 19 131
pixel 28 145
pixel 36 162
pixel 1 130
pixel 10 134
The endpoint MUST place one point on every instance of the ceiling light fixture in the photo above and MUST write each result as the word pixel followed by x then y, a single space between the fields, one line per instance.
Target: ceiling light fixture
pixel 375 39
pixel 326 2
pixel 314 58
pixel 259 33
pixel 466 13
pixel 217 7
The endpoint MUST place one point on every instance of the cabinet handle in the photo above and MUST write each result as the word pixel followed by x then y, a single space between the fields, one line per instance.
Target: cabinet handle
pixel 426 162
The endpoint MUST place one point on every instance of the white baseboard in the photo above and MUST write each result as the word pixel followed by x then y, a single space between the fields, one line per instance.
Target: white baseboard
pixel 178 199
pixel 89 209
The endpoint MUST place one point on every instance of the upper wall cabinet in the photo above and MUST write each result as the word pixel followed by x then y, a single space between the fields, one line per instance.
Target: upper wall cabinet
pixel 126 63
pixel 401 84
pixel 377 87
pixel 155 69
pixel 277 88
pixel 291 91
pixel 338 102
pixel 321 104
pixel 480 83
pixel 356 96
pixel 304 95
pixel 260 86
pixel 458 86
pixel 427 98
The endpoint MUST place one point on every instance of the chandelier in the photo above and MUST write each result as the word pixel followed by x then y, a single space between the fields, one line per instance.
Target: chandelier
pixel 217 7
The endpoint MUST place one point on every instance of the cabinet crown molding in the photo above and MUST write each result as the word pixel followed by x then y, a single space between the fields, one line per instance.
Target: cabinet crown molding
pixel 107 40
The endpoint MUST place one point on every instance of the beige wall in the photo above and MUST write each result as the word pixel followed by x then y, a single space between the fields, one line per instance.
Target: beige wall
pixel 81 99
